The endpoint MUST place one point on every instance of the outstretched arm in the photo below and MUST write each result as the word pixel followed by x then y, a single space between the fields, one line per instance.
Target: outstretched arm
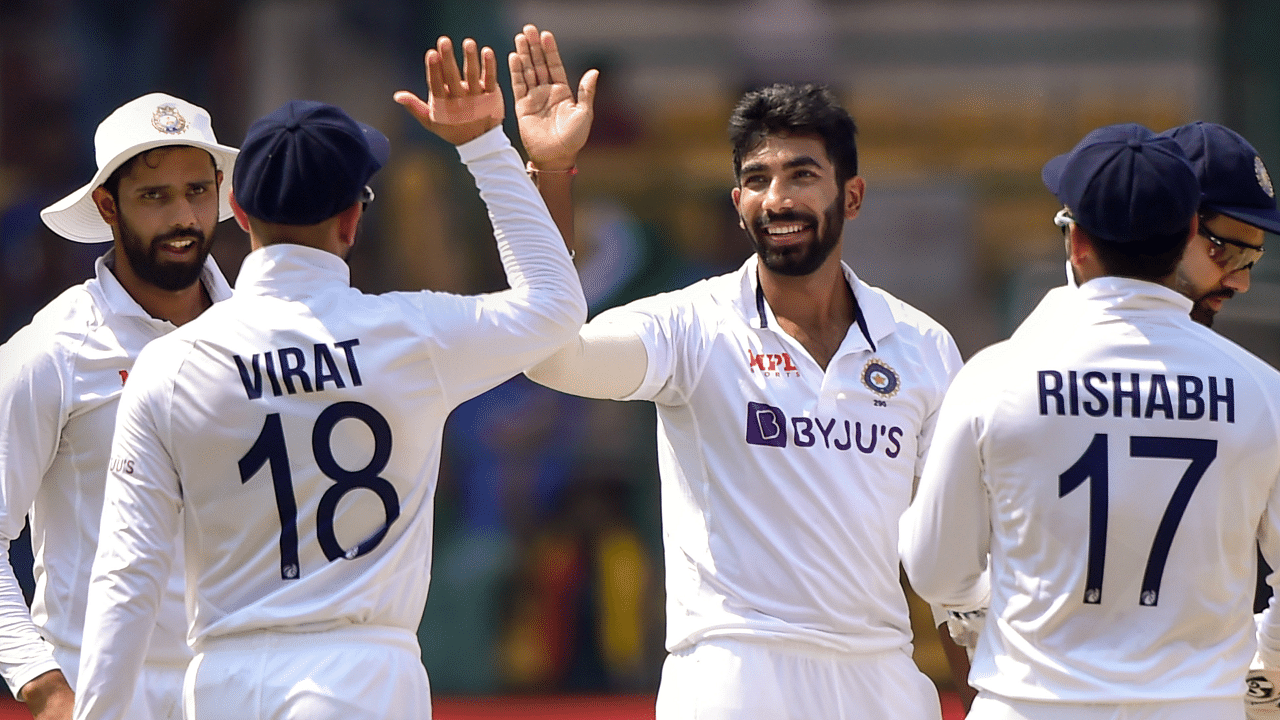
pixel 553 125
pixel 460 107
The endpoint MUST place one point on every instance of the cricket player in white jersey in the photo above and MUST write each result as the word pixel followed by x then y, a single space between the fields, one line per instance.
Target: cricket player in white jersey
pixel 795 404
pixel 297 427
pixel 159 191
pixel 1118 463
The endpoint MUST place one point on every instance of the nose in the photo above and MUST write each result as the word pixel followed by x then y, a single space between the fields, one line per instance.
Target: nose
pixel 778 196
pixel 1237 280
pixel 183 213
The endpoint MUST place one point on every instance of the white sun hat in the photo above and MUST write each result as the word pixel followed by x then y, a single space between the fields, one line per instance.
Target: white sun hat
pixel 151 121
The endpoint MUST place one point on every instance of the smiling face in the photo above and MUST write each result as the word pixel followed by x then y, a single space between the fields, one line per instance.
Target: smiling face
pixel 790 204
pixel 1208 272
pixel 163 214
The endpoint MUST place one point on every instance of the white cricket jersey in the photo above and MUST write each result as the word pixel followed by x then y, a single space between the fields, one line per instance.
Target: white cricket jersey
pixel 1118 461
pixel 782 484
pixel 297 426
pixel 60 379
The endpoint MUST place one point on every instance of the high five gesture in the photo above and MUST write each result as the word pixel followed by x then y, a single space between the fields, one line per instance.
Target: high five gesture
pixel 460 106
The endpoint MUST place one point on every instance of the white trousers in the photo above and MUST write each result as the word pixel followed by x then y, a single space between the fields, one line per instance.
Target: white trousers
pixel 733 679
pixel 352 673
pixel 988 706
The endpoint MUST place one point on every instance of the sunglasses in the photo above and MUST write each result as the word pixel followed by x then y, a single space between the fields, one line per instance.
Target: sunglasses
pixel 1231 255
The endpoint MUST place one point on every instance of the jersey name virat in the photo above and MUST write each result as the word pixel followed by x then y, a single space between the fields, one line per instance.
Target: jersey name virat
pixel 292 364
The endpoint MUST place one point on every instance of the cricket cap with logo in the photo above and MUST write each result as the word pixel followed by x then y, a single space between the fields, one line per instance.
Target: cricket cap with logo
pixel 306 162
pixel 151 121
pixel 1126 185
pixel 1233 179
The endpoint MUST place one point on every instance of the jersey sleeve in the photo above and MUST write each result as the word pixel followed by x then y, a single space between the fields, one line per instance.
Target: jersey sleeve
pixel 484 340
pixel 607 361
pixel 140 519
pixel 949 363
pixel 674 342
pixel 944 536
pixel 32 412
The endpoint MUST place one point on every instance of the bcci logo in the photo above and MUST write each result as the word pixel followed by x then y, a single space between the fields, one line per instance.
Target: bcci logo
pixel 880 378
pixel 1264 179
pixel 168 120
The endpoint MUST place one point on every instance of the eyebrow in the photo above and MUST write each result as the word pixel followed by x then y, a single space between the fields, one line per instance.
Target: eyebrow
pixel 802 161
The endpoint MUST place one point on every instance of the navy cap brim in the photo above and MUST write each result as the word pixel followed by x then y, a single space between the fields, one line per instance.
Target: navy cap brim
pixel 1051 174
pixel 1265 219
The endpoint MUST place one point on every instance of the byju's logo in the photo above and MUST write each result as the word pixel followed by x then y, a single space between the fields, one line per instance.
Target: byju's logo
pixel 766 425
pixel 772 364
pixel 769 426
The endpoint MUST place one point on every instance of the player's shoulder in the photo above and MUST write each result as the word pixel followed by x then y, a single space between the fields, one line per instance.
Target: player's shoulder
pixel 55 333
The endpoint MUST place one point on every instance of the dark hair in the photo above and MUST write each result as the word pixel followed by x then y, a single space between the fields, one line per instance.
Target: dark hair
pixel 112 183
pixel 1134 260
pixel 787 109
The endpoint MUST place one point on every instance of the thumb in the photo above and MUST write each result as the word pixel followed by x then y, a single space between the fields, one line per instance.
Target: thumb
pixel 587 90
pixel 420 110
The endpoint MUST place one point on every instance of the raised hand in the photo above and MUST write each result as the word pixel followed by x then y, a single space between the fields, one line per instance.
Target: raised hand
pixel 460 106
pixel 553 126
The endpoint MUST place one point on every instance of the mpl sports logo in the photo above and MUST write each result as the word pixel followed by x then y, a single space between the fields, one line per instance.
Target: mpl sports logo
pixel 772 364
pixel 769 426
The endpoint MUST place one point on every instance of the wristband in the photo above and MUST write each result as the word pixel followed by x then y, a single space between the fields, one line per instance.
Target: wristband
pixel 534 172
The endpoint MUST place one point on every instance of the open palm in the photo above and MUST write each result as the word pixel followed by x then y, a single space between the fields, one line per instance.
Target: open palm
pixel 553 125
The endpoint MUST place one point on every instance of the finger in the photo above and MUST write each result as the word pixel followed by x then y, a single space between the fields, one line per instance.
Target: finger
pixel 555 68
pixel 415 105
pixel 535 52
pixel 518 87
pixel 435 75
pixel 489 80
pixel 587 90
pixel 526 60
pixel 471 66
pixel 449 67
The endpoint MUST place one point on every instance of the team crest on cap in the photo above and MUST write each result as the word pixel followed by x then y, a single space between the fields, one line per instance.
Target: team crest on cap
pixel 168 120
pixel 1263 178
pixel 880 378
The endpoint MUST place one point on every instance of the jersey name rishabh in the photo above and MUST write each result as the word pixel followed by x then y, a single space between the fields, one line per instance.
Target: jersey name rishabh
pixel 292 365
pixel 768 425
pixel 1096 393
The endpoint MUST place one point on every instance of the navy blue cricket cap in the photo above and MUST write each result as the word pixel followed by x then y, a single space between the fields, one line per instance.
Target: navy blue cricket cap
pixel 1233 180
pixel 1127 185
pixel 306 162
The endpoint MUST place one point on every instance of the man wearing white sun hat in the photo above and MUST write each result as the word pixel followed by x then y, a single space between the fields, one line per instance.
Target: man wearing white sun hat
pixel 159 192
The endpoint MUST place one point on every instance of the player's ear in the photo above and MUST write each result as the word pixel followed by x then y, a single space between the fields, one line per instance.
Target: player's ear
pixel 242 217
pixel 107 207
pixel 854 188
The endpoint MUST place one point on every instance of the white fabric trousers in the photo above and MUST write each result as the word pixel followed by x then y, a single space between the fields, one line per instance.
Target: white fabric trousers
pixel 733 679
pixel 993 707
pixel 352 673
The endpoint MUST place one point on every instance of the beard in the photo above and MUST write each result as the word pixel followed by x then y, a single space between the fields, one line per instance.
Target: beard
pixel 1202 313
pixel 144 257
pixel 802 258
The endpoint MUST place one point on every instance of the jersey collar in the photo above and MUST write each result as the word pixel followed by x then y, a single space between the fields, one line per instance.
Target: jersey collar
pixel 872 315
pixel 291 271
pixel 118 301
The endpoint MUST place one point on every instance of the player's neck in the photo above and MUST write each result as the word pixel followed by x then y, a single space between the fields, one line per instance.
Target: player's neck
pixel 816 309
pixel 177 306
